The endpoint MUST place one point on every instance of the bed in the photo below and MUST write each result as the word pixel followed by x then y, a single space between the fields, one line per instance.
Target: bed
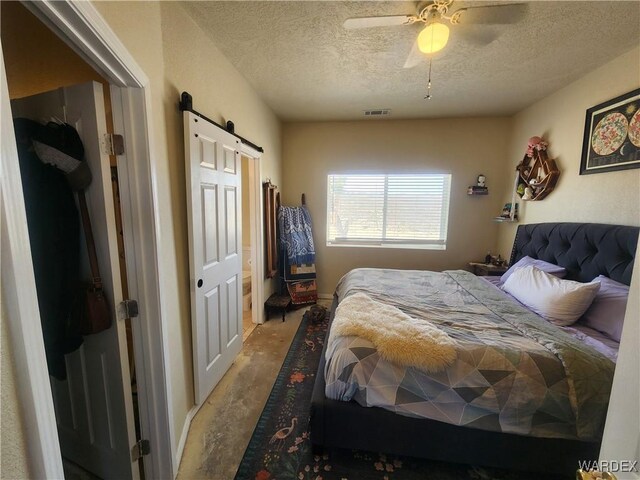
pixel 557 439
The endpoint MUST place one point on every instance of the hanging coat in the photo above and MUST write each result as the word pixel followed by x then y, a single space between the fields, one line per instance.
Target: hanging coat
pixel 54 235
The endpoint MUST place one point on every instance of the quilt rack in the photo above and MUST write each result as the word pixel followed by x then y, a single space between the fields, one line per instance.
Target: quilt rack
pixel 296 283
pixel 299 280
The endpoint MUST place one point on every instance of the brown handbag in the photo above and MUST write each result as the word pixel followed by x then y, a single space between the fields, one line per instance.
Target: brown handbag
pixel 92 313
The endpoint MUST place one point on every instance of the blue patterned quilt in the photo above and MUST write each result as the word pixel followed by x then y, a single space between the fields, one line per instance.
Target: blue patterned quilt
pixel 296 236
pixel 515 372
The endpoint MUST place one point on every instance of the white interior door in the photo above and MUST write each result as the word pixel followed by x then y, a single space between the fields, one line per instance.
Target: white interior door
pixel 215 235
pixel 94 408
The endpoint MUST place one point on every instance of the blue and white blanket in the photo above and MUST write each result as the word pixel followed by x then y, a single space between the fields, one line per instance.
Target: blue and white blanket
pixel 296 238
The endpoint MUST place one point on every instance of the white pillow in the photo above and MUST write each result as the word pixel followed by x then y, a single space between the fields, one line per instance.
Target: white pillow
pixel 559 301
pixel 555 270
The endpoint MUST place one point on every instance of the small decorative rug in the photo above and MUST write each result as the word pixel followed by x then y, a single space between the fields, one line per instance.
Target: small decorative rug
pixel 280 448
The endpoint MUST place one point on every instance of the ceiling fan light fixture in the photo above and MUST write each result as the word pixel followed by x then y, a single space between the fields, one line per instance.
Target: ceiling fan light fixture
pixel 433 38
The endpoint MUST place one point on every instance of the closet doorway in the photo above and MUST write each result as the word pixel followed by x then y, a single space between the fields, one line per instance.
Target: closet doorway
pixel 104 386
pixel 96 404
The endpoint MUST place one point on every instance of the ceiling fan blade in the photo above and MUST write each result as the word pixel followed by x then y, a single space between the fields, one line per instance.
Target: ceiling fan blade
pixel 386 21
pixel 476 35
pixel 415 56
pixel 492 15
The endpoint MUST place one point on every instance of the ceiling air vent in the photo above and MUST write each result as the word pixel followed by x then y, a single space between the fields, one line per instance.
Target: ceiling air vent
pixel 379 112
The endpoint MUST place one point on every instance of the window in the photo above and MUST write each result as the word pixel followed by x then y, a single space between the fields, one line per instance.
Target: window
pixel 404 211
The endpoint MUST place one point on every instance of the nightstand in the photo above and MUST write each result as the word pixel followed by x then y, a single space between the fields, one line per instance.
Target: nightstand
pixel 484 269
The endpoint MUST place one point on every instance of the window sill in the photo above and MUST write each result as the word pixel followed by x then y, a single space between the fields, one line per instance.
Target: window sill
pixel 388 245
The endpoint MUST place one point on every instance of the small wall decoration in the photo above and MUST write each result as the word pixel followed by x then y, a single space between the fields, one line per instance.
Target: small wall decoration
pixel 612 135
pixel 480 188
pixel 506 211
pixel 537 173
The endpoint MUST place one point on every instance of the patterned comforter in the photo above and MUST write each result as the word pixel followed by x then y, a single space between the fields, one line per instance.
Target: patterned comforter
pixel 514 373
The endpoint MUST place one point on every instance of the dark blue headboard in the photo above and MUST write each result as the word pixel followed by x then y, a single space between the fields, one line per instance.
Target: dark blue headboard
pixel 586 250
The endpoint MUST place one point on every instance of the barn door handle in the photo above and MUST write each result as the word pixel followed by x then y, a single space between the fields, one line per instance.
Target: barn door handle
pixel 199 283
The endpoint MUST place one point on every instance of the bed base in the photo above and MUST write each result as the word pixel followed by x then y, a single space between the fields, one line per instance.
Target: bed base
pixel 586 250
pixel 338 424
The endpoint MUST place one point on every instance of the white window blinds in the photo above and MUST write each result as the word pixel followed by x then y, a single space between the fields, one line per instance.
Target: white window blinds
pixel 409 211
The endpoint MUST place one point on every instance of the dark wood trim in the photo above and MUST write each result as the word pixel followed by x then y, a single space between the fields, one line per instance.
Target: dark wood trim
pixel 271 199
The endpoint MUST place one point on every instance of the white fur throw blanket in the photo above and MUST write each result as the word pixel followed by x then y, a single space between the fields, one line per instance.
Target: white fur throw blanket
pixel 398 337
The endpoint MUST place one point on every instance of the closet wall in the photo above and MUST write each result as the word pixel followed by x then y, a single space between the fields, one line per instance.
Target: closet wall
pixel 38 61
pixel 41 62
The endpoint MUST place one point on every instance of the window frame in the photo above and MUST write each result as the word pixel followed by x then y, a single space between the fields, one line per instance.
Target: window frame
pixel 415 244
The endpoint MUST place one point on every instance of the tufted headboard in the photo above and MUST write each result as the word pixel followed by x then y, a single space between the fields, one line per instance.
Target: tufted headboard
pixel 586 250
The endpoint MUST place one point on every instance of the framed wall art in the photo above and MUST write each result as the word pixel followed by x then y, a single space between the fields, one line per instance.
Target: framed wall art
pixel 612 135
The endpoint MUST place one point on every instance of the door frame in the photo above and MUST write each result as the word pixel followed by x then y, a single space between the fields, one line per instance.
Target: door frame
pixel 20 308
pixel 256 228
pixel 82 27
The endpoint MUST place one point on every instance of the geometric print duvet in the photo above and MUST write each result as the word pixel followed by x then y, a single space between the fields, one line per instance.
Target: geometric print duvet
pixel 514 371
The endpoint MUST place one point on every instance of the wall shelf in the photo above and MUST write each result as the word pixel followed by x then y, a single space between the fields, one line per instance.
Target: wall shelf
pixel 475 190
pixel 538 172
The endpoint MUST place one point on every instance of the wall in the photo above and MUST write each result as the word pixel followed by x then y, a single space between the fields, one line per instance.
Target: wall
pixel 612 197
pixel 621 438
pixel 40 61
pixel 177 56
pixel 13 443
pixel 222 94
pixel 464 147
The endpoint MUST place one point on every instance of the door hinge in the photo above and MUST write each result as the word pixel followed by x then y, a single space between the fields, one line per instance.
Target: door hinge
pixel 127 309
pixel 140 449
pixel 113 144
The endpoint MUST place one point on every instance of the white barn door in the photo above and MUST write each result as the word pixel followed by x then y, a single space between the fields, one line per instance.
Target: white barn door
pixel 94 406
pixel 215 236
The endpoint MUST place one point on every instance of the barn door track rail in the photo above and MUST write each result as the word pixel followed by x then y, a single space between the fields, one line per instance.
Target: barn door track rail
pixel 186 105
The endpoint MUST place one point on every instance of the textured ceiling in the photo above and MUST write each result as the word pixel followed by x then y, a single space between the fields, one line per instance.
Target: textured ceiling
pixel 306 66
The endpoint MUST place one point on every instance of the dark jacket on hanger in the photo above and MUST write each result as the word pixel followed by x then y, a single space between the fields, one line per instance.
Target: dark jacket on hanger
pixel 54 236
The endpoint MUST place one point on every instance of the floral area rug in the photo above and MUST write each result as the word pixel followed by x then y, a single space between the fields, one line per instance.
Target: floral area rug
pixel 280 448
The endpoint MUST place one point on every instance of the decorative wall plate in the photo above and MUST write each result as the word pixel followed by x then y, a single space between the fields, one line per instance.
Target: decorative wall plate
pixel 609 134
pixel 634 129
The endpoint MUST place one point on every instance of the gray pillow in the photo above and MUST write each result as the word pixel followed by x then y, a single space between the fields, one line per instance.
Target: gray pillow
pixel 550 268
pixel 606 313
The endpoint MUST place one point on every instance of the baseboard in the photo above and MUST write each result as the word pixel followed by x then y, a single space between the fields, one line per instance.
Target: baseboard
pixel 325 296
pixel 185 433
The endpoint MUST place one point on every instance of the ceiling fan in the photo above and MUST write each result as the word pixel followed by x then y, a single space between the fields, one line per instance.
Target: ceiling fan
pixel 435 35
